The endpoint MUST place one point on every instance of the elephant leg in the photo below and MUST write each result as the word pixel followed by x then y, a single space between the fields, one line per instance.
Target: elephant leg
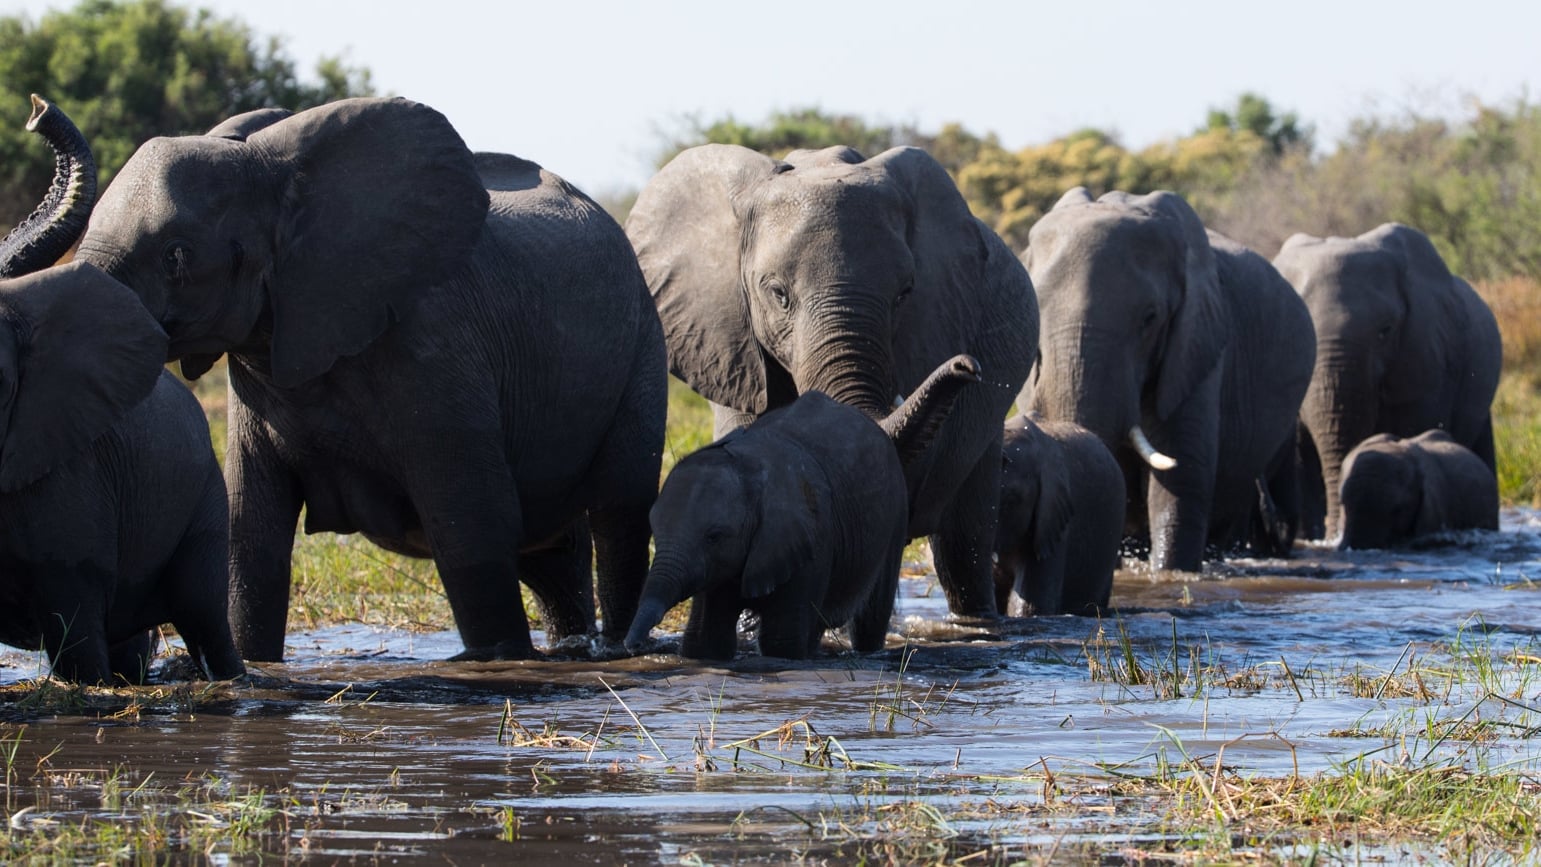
pixel 630 460
pixel 197 579
pixel 1313 494
pixel 130 658
pixel 965 538
pixel 868 629
pixel 1039 587
pixel 791 627
pixel 75 629
pixel 263 512
pixel 712 631
pixel 560 575
pixel 474 529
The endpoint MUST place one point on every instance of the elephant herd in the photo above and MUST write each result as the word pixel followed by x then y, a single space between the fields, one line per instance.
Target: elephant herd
pixel 461 356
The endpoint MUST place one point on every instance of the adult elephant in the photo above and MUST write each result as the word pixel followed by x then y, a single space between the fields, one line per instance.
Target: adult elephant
pixel 455 355
pixel 1405 347
pixel 1184 351
pixel 855 277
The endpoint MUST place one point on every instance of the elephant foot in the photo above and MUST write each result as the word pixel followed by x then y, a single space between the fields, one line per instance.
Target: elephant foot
pixel 594 646
pixel 511 649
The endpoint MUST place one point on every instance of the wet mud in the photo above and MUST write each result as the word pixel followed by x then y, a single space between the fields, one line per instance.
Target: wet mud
pixel 365 746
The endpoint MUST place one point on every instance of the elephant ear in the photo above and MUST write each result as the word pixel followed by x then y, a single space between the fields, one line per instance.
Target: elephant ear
pixel 1072 197
pixel 686 231
pixel 382 202
pixel 241 126
pixel 1055 506
pixel 87 351
pixel 1433 316
pixel 789 517
pixel 1197 333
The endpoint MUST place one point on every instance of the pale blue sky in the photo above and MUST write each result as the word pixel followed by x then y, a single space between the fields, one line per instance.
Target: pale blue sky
pixel 587 88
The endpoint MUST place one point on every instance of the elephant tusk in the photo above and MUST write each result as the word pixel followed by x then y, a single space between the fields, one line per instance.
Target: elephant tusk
pixel 1148 452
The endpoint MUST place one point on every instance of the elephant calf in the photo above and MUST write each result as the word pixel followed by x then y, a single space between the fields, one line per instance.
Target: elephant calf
pixel 1061 519
pixel 112 507
pixel 801 517
pixel 1395 490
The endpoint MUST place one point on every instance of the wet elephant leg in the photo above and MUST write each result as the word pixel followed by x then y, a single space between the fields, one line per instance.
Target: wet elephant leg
pixel 130 658
pixel 962 545
pixel 264 511
pixel 712 631
pixel 197 580
pixel 560 576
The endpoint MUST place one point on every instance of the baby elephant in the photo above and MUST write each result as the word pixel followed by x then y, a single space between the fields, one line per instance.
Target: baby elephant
pixel 1061 519
pixel 112 507
pixel 801 517
pixel 1395 490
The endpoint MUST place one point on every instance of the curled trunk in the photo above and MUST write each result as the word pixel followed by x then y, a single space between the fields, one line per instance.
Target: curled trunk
pixel 53 227
pixel 664 589
pixel 914 425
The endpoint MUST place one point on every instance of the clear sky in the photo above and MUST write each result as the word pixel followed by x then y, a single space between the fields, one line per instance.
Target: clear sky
pixel 591 88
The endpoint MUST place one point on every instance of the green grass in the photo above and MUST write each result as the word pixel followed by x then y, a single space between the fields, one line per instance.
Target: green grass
pixel 1517 439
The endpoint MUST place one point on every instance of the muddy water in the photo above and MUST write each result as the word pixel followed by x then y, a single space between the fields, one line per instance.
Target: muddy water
pixel 369 749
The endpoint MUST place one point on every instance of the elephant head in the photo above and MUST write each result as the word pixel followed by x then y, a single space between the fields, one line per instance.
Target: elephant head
pixel 1131 312
pixel 821 272
pixel 726 517
pixel 291 239
pixel 77 351
pixel 1036 501
pixel 47 234
pixel 1382 493
pixel 1394 334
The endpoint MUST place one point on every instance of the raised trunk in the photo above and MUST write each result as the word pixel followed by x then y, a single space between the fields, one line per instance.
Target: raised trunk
pixel 914 425
pixel 53 227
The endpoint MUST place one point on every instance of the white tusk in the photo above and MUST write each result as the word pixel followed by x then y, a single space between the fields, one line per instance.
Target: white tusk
pixel 1148 452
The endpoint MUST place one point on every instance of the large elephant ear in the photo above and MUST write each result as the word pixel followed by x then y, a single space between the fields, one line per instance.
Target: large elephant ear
pixel 685 228
pixel 1434 313
pixel 1197 332
pixel 783 544
pixel 87 352
pixel 382 202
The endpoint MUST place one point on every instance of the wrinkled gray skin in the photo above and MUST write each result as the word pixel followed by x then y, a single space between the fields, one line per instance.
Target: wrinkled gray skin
pixel 827 272
pixel 799 517
pixel 1061 520
pixel 1404 346
pixel 112 509
pixel 1396 490
pixel 455 355
pixel 1148 320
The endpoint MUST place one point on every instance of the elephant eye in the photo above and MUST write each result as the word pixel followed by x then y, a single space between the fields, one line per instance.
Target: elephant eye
pixel 176 257
pixel 904 294
pixel 779 292
pixel 1148 321
pixel 1384 332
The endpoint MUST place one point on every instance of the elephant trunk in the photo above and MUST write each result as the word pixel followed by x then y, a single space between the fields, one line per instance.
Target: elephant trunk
pixel 1087 379
pixel 667 585
pixel 914 425
pixel 1339 411
pixel 47 234
pixel 847 361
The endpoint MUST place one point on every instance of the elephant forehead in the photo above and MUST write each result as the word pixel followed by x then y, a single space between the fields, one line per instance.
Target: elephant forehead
pixel 169 178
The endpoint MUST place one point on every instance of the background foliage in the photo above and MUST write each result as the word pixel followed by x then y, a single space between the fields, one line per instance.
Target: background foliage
pixel 127 71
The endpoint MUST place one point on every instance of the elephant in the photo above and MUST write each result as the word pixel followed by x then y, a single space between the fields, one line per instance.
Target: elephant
pixel 454 354
pixel 825 271
pixel 801 516
pixel 112 507
pixel 1061 519
pixel 1395 490
pixel 1186 353
pixel 1405 347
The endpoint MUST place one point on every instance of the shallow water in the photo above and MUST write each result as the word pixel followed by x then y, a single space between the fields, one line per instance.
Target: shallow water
pixel 373 749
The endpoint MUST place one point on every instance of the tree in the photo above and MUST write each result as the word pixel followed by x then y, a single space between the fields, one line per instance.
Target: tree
pixel 799 128
pixel 128 70
pixel 1255 114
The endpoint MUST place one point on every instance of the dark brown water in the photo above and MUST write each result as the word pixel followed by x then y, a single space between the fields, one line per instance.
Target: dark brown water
pixel 364 747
